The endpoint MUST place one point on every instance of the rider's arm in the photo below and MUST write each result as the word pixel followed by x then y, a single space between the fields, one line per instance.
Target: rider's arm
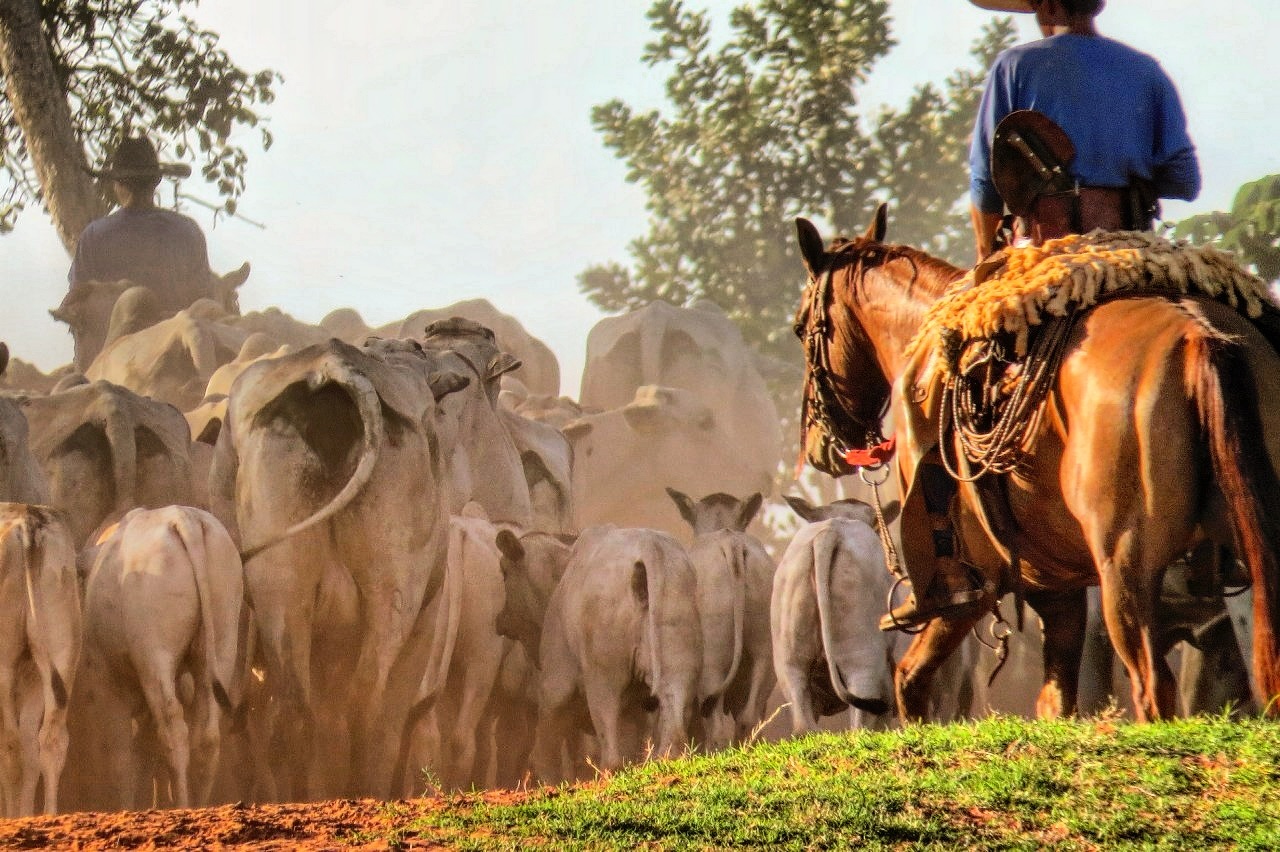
pixel 985 226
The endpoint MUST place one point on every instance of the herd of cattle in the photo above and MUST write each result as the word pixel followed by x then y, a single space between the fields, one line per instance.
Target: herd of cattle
pixel 246 558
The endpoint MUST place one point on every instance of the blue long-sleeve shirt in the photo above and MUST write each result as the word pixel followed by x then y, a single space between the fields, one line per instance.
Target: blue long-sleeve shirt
pixel 1116 104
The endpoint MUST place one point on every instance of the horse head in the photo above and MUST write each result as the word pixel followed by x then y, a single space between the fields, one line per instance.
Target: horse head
pixel 840 356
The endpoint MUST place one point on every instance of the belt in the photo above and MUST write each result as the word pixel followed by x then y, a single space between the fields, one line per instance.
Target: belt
pixel 1081 210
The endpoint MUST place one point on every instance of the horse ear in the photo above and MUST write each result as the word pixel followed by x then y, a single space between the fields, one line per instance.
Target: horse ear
pixel 811 248
pixel 880 224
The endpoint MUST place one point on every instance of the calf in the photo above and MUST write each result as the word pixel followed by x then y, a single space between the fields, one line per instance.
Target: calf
pixel 828 593
pixel 621 638
pixel 735 580
pixel 163 601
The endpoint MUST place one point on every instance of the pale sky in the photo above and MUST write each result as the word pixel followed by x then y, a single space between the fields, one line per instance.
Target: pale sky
pixel 432 152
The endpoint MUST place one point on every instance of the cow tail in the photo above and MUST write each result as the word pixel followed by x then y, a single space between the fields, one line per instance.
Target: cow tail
pixel 1228 408
pixel 117 427
pixel 191 534
pixel 31 543
pixel 437 672
pixel 652 586
pixel 369 406
pixel 735 554
pixel 826 550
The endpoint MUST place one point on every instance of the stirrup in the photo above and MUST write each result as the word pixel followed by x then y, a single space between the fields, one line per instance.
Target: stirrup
pixel 912 614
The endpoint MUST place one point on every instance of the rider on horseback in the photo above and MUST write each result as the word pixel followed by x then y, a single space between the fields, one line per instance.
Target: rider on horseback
pixel 1116 105
pixel 1107 138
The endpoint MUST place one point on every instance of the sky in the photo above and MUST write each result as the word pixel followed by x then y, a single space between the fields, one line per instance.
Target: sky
pixel 434 151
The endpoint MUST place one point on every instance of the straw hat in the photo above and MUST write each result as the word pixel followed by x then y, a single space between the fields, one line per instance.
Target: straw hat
pixel 1004 5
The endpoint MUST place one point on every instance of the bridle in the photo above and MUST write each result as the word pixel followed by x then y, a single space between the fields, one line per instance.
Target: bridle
pixel 843 432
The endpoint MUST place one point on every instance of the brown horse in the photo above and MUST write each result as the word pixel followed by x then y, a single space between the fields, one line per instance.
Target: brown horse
pixel 1162 430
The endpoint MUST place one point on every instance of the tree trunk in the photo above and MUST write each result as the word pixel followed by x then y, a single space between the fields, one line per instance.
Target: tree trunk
pixel 44 117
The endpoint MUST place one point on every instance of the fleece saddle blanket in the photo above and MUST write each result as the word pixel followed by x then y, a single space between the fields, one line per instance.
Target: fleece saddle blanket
pixel 1018 289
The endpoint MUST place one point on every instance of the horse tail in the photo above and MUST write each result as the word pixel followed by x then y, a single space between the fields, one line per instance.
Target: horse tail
pixel 1228 407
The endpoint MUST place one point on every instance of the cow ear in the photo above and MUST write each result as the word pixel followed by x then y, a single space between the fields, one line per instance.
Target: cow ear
pixel 684 503
pixel 891 510
pixel 804 508
pixel 812 251
pixel 879 224
pixel 444 383
pixel 500 365
pixel 748 511
pixel 511 548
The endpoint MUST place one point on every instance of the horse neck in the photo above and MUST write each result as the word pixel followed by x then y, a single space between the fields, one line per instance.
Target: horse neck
pixel 890 302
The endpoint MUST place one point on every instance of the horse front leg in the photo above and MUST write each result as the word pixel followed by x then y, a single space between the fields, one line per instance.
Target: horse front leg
pixel 913 680
pixel 1063 615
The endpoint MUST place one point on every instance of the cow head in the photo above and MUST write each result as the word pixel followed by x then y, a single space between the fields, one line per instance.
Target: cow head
pixel 851 509
pixel 86 310
pixel 717 511
pixel 532 565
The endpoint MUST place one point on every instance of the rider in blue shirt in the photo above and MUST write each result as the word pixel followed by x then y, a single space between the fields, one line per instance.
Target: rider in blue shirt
pixel 1116 104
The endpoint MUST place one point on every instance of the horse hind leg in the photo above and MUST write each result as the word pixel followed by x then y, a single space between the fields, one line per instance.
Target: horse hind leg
pixel 1063 617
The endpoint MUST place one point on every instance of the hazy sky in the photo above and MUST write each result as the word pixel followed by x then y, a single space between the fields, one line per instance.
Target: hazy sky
pixel 429 152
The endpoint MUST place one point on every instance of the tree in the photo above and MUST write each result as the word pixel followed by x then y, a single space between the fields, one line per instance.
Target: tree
pixel 79 75
pixel 767 127
pixel 1251 229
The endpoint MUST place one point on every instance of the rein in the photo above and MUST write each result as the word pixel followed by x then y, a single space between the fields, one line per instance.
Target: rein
pixel 820 408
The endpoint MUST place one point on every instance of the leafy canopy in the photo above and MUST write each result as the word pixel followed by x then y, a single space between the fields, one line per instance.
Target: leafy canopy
pixel 135 66
pixel 765 127
pixel 1251 228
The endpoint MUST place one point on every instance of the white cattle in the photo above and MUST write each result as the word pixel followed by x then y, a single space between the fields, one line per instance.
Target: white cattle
pixel 532 565
pixel 735 582
pixel 621 638
pixel 329 466
pixel 40 629
pixel 164 600
pixel 460 682
pixel 828 595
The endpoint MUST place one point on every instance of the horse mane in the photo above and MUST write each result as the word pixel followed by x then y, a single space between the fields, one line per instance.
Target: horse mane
pixel 931 274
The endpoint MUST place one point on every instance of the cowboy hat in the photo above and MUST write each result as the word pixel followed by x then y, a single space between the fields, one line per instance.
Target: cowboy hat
pixel 1004 5
pixel 135 158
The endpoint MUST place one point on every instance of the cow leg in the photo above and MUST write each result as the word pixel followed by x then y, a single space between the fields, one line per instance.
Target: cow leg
pixel 604 702
pixel 926 654
pixel 10 741
pixel 158 687
pixel 793 678
pixel 1063 615
pixel 516 719
pixel 752 714
pixel 206 723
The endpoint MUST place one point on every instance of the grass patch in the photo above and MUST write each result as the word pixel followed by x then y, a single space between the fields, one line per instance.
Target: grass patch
pixel 997 784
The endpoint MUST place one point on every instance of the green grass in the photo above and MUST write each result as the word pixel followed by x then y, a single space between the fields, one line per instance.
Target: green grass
pixel 998 784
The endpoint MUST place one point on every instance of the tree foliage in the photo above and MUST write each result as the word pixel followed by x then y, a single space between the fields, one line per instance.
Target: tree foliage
pixel 138 66
pixel 767 126
pixel 1251 228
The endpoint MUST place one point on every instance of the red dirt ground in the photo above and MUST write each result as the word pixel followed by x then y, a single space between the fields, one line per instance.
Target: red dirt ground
pixel 343 824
